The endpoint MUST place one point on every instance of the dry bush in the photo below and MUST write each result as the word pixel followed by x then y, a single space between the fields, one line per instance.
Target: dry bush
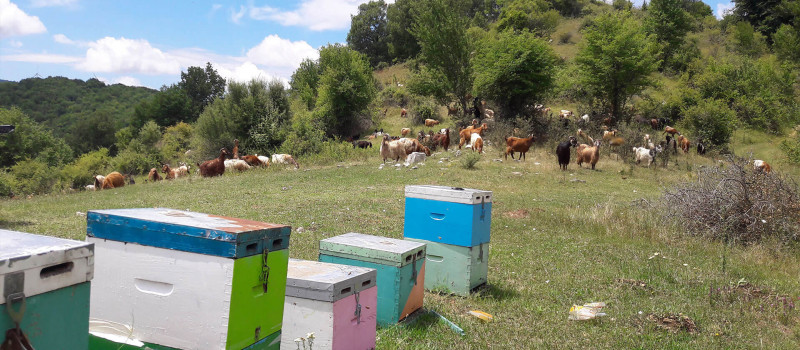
pixel 734 203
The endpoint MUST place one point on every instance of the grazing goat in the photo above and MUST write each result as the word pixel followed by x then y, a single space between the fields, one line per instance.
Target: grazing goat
pixel 609 135
pixel 392 149
pixel 684 142
pixel 169 173
pixel 362 144
pixel 113 180
pixel 670 130
pixel 565 114
pixel 403 113
pixel 489 114
pixel 413 145
pixel 285 159
pixel 405 131
pixel 153 175
pixel 265 160
pixel 589 154
pixel 644 154
pixel 98 181
pixel 214 167
pixel 585 119
pixel 584 137
pixel 452 110
pixel 654 123
pixel 518 144
pixel 476 142
pixel 237 164
pixel 252 160
pixel 563 152
pixel 761 166
pixel 236 149
pixel 442 139
pixel 465 134
pixel 431 122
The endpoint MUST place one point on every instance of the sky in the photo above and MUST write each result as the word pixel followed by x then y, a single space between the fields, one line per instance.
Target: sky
pixel 149 43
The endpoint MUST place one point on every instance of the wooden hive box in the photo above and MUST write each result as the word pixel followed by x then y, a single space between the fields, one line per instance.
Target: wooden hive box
pixel 338 303
pixel 189 280
pixel 45 282
pixel 400 269
pixel 450 215
pixel 455 269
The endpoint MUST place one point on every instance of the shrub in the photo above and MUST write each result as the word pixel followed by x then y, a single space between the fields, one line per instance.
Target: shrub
pixel 7 184
pixel 712 121
pixel 394 95
pixel 422 109
pixel 469 160
pixel 134 159
pixel 82 171
pixel 735 204
pixel 33 177
pixel 564 38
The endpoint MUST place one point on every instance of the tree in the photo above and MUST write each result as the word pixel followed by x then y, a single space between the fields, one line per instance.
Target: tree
pixel 622 5
pixel 514 70
pixel 534 15
pixel 445 50
pixel 787 38
pixel 669 22
pixel 202 87
pixel 168 107
pixel 30 140
pixel 346 87
pixel 304 82
pixel 745 40
pixel 94 131
pixel 369 32
pixel 402 44
pixel 616 59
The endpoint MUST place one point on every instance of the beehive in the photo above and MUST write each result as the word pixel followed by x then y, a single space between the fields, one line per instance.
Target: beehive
pixel 189 280
pixel 338 303
pixel 45 283
pixel 400 269
pixel 455 269
pixel 450 215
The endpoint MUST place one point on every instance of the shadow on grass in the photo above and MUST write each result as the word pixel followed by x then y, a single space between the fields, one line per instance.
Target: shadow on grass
pixel 495 291
pixel 11 225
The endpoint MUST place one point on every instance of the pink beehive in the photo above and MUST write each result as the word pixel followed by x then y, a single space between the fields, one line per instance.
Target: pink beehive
pixel 337 303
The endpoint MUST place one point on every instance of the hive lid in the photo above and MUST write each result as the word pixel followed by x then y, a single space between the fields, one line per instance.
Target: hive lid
pixel 449 194
pixel 35 264
pixel 187 231
pixel 325 281
pixel 377 249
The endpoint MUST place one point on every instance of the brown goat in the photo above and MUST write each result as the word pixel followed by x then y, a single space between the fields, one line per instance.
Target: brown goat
pixel 431 122
pixel 442 139
pixel 670 130
pixel 214 167
pixel 465 134
pixel 169 173
pixel 589 154
pixel 153 175
pixel 252 160
pixel 403 113
pixel 518 144
pixel 113 180
pixel 684 142
pixel 236 149
pixel 405 131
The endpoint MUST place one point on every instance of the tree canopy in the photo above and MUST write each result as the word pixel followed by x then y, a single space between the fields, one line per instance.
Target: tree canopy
pixel 202 87
pixel 369 32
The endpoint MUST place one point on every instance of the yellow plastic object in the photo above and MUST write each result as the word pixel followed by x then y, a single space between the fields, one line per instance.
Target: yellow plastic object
pixel 586 312
pixel 482 315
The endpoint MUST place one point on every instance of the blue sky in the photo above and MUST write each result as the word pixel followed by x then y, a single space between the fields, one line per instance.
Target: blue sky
pixel 148 43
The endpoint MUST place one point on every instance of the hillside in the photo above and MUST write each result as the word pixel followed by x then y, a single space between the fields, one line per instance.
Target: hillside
pixel 61 104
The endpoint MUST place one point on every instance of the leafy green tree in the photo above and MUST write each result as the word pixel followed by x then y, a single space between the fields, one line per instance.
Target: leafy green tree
pixel 787 38
pixel 33 176
pixel 622 5
pixel 534 15
pixel 369 32
pixel 745 40
pixel 669 22
pixel 346 87
pixel 711 120
pixel 569 8
pixel 616 59
pixel 304 82
pixel 169 106
pixel 93 132
pixel 30 140
pixel 764 15
pixel 697 8
pixel 445 51
pixel 402 44
pixel 175 142
pixel 202 87
pixel 514 70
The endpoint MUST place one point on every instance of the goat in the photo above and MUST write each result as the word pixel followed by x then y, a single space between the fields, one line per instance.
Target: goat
pixel 392 149
pixel 413 145
pixel 285 159
pixel 113 180
pixel 442 139
pixel 644 154
pixel 563 152
pixel 90 188
pixel 236 149
pixel 464 135
pixel 362 144
pixel 701 148
pixel 476 142
pixel 98 181
pixel 452 110
pixel 431 122
pixel 214 167
pixel 609 135
pixel 252 160
pixel 153 175
pixel 684 142
pixel 489 114
pixel 403 113
pixel 518 144
pixel 169 173
pixel 237 164
pixel 405 131
pixel 589 154
pixel 585 137
pixel 761 166
pixel 670 130
pixel 654 123
pixel 585 119
pixel 565 114
pixel 265 160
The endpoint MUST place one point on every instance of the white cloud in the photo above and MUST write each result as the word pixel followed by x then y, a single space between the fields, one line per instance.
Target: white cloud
pixel 49 3
pixel 317 15
pixel 276 52
pixel 236 16
pixel 724 9
pixel 243 73
pixel 14 21
pixel 15 43
pixel 127 56
pixel 62 39
pixel 40 58
pixel 129 81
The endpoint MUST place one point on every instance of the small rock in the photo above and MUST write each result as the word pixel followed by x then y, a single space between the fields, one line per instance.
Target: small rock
pixel 300 229
pixel 458 153
pixel 414 167
pixel 339 165
pixel 440 162
pixel 284 188
pixel 537 163
pixel 578 180
pixel 517 173
pixel 398 165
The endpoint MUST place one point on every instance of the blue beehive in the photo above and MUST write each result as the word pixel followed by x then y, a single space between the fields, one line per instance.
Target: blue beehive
pixel 449 215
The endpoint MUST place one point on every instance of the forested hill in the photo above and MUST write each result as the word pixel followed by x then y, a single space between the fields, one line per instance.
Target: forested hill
pixel 65 105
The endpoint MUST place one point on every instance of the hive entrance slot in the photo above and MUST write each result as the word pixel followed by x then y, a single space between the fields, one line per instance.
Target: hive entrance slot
pixel 251 248
pixel 365 283
pixel 346 290
pixel 56 270
pixel 277 243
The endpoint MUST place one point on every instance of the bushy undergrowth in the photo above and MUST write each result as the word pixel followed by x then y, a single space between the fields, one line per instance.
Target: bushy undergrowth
pixel 469 160
pixel 736 204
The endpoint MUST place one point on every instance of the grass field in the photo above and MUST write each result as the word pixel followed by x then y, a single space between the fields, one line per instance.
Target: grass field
pixel 558 239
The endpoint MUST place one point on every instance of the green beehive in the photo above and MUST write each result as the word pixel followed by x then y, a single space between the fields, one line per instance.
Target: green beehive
pixel 455 269
pixel 44 285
